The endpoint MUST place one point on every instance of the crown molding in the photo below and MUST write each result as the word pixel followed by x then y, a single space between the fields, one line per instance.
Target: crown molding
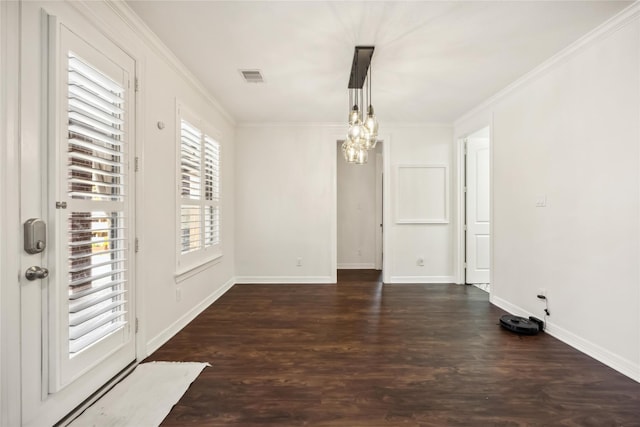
pixel 338 125
pixel 416 125
pixel 133 21
pixel 605 29
pixel 290 124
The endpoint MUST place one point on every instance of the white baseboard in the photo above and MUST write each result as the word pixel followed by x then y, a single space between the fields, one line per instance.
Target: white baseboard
pixel 422 279
pixel 259 280
pixel 508 307
pixel 357 266
pixel 620 364
pixel 164 336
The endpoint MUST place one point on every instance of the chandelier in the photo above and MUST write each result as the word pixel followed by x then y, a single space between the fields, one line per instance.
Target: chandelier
pixel 363 131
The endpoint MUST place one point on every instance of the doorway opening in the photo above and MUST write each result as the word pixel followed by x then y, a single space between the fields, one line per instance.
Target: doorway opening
pixel 477 209
pixel 359 212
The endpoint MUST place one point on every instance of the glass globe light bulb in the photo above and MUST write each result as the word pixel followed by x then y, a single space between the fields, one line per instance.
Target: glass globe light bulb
pixel 352 154
pixel 355 132
pixel 366 139
pixel 349 150
pixel 371 123
pixel 354 115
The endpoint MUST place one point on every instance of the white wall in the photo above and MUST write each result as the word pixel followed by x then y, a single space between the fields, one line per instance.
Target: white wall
pixel 162 86
pixel 357 225
pixel 571 133
pixel 286 204
pixel 160 314
pixel 420 145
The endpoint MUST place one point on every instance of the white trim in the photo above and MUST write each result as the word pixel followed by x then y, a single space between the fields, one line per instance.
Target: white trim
pixel 492 209
pixel 10 128
pixel 459 208
pixel 142 30
pixel 192 270
pixel 385 140
pixel 3 180
pixel 459 241
pixel 610 26
pixel 386 209
pixel 421 280
pixel 620 364
pixel 387 221
pixel 357 266
pixel 508 307
pixel 280 280
pixel 164 336
pixel 139 207
pixel 638 377
pixel 416 125
pixel 340 125
pixel 379 216
pixel 333 250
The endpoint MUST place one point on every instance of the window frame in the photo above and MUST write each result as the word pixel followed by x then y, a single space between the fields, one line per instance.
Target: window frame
pixel 198 259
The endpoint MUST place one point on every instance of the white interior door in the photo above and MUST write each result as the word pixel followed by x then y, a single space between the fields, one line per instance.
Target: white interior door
pixel 77 331
pixel 478 211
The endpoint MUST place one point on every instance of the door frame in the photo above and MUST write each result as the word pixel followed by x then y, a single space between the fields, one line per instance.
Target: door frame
pixel 460 244
pixel 386 206
pixel 10 385
pixel 472 195
pixel 379 210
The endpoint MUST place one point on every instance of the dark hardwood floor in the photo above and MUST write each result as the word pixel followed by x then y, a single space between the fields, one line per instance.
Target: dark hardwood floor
pixel 363 354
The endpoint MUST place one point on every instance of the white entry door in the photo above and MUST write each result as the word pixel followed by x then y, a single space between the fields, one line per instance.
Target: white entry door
pixel 478 211
pixel 78 332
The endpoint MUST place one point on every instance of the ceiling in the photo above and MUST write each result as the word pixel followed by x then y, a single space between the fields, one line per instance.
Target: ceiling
pixel 433 60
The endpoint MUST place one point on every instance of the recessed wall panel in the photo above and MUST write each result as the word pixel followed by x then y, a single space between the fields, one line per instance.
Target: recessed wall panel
pixel 422 194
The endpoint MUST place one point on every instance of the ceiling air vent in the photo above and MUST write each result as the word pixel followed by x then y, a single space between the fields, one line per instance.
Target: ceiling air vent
pixel 252 76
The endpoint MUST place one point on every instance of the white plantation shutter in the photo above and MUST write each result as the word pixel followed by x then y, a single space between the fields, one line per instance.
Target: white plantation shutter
pixel 190 187
pixel 199 189
pixel 190 161
pixel 212 191
pixel 191 228
pixel 97 192
pixel 90 301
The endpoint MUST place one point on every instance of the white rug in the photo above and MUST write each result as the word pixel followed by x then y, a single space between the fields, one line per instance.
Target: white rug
pixel 144 398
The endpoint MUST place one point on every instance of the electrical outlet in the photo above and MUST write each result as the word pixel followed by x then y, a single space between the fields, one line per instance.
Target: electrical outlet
pixel 420 262
pixel 299 262
pixel 178 294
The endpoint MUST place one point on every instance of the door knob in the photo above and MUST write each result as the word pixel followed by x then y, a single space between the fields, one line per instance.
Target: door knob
pixel 34 273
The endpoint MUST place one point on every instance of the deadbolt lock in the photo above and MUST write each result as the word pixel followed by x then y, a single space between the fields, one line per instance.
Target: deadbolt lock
pixel 35 236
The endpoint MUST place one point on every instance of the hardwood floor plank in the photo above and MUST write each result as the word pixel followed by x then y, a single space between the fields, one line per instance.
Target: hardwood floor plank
pixel 362 354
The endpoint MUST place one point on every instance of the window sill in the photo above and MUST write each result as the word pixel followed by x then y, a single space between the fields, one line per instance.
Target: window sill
pixel 190 271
